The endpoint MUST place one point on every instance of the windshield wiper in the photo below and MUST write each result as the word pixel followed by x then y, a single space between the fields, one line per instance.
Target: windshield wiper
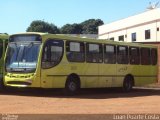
pixel 30 45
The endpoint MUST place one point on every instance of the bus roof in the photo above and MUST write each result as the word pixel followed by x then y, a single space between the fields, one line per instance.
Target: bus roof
pixel 46 36
pixel 33 33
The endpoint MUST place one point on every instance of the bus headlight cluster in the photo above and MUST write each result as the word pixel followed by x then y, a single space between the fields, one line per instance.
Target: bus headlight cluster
pixel 29 80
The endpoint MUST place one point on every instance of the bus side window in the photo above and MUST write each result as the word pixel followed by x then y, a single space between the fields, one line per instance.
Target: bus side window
pixel 75 51
pixel 145 56
pixel 110 54
pixel 134 55
pixel 46 52
pixel 154 56
pixel 6 44
pixel 94 53
pixel 122 55
pixel 1 49
pixel 52 53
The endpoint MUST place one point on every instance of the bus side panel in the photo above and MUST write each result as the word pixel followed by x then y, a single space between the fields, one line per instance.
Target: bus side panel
pixel 87 73
pixel 107 74
pixel 142 74
pixel 148 75
pixel 123 70
pixel 52 77
pixel 90 71
pixel 56 77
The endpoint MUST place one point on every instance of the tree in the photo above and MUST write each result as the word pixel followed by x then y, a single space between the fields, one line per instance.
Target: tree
pixel 91 26
pixel 71 29
pixel 87 27
pixel 42 26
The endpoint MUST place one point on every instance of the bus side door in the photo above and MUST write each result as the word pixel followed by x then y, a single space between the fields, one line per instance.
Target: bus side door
pixel 51 59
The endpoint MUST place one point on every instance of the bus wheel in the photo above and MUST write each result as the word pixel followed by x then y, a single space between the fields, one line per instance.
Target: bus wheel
pixel 72 85
pixel 128 84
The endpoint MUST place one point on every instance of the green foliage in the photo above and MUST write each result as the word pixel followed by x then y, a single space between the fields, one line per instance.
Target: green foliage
pixel 42 26
pixel 4 33
pixel 87 27
pixel 91 26
pixel 71 29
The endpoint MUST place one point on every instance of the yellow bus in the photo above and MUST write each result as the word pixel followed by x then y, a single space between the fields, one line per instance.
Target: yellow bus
pixel 42 60
pixel 3 45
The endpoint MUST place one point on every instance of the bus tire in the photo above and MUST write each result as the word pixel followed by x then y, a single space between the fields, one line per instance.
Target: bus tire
pixel 72 85
pixel 128 84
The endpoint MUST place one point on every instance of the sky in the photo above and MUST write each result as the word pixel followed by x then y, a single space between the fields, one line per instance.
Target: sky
pixel 16 15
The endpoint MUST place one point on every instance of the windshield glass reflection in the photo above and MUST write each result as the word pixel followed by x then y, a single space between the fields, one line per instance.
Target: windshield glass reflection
pixel 22 57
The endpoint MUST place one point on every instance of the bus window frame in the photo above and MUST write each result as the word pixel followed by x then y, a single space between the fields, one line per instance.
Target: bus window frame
pixel 1 48
pixel 130 56
pixel 152 57
pixel 115 53
pixel 126 56
pixel 67 47
pixel 144 59
pixel 100 52
pixel 51 39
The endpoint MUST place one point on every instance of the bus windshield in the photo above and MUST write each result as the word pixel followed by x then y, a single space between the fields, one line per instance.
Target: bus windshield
pixel 22 57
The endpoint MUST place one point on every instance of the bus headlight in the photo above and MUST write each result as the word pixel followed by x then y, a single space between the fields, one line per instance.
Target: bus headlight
pixel 29 80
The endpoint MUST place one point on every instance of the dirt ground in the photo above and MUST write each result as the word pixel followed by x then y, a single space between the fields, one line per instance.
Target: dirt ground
pixel 89 101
